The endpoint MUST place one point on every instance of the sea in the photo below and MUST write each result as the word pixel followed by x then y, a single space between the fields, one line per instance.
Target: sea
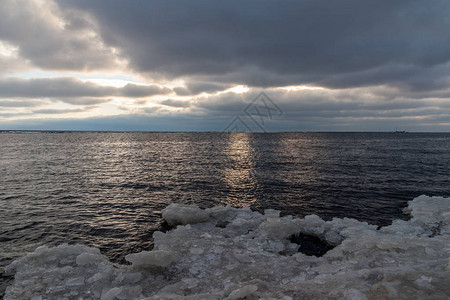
pixel 107 189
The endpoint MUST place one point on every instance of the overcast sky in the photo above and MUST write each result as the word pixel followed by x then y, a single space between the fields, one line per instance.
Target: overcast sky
pixel 336 65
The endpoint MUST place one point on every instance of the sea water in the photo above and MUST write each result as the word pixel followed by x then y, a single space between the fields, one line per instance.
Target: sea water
pixel 107 190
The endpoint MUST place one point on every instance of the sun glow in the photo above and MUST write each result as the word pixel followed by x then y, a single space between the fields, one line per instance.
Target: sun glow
pixel 294 88
pixel 238 89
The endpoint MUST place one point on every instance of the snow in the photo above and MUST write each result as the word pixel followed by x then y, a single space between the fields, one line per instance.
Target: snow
pixel 231 253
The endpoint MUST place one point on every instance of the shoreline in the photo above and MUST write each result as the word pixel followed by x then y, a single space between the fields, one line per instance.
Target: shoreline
pixel 224 252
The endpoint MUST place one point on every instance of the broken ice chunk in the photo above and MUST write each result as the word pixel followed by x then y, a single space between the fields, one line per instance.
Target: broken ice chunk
pixel 176 214
pixel 278 228
pixel 155 258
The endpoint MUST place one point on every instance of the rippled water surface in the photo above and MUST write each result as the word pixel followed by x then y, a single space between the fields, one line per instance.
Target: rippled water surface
pixel 106 189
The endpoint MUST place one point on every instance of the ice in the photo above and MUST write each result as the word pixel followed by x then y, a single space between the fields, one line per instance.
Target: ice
pixel 231 253
pixel 176 214
pixel 111 293
pixel 245 291
pixel 155 258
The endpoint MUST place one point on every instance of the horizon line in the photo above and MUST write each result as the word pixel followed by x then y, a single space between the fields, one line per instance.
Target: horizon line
pixel 204 131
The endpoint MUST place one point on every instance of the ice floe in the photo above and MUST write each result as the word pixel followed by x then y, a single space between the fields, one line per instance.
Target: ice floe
pixel 231 253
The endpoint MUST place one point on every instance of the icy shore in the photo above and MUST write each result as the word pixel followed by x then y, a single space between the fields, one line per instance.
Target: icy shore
pixel 230 253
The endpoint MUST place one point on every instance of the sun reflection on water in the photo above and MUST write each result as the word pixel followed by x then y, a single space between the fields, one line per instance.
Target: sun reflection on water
pixel 240 175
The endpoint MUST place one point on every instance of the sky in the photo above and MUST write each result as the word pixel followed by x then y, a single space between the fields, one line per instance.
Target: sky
pixel 307 65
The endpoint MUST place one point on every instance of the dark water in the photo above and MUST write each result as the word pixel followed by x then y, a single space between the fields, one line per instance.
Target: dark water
pixel 106 189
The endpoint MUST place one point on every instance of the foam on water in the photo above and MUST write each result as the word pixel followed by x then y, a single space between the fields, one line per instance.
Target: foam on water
pixel 230 253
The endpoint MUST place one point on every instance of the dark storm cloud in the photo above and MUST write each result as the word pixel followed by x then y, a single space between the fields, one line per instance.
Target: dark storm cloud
pixel 267 43
pixel 69 88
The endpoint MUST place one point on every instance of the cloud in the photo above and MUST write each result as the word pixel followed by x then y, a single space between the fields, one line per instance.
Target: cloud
pixel 69 88
pixel 326 108
pixel 62 111
pixel 151 121
pixel 207 87
pixel 51 88
pixel 9 59
pixel 21 103
pixel 379 62
pixel 85 101
pixel 175 103
pixel 51 38
pixel 195 87
pixel 268 43
pixel 137 91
